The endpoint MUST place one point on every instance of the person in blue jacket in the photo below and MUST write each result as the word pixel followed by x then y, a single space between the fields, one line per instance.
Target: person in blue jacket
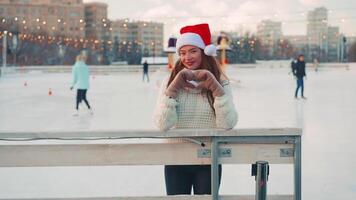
pixel 80 80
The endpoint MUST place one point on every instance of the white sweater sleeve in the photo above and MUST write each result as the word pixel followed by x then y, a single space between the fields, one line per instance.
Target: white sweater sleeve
pixel 165 114
pixel 226 114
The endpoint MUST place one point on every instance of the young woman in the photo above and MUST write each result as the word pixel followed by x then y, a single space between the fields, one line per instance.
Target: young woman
pixel 80 79
pixel 196 95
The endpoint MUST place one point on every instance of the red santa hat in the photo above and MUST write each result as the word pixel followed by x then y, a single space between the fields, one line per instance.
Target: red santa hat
pixel 197 35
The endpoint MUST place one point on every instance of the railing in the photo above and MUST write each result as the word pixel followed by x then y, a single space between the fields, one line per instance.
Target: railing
pixel 243 146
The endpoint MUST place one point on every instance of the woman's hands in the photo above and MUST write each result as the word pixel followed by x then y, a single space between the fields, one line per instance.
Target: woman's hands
pixel 179 82
pixel 208 81
pixel 205 79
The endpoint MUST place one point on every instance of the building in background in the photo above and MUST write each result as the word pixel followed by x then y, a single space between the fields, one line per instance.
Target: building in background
pixel 317 34
pixel 69 26
pixel 147 35
pixel 334 44
pixel 98 26
pixel 299 43
pixel 55 18
pixel 66 27
pixel 150 34
pixel 121 31
pixel 269 33
pixel 323 40
pixel 351 48
pixel 350 41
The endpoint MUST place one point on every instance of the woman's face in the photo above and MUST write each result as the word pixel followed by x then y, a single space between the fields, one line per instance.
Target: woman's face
pixel 190 56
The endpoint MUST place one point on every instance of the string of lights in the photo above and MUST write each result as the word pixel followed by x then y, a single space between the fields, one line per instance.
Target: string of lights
pixel 95 41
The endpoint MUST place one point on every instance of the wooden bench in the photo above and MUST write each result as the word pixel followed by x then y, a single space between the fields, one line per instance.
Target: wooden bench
pixel 241 146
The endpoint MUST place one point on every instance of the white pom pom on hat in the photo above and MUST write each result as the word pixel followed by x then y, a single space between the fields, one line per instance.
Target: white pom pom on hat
pixel 210 50
pixel 197 35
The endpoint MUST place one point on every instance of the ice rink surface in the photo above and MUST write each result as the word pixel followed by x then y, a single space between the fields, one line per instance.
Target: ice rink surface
pixel 264 98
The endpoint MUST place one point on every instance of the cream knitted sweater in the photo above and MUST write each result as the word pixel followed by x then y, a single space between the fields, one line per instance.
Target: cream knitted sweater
pixel 191 110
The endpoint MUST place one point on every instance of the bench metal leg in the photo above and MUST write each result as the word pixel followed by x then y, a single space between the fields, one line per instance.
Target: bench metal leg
pixel 215 169
pixel 298 169
pixel 261 171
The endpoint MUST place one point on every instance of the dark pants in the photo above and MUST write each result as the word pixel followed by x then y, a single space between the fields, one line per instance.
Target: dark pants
pixel 145 74
pixel 82 95
pixel 300 84
pixel 181 178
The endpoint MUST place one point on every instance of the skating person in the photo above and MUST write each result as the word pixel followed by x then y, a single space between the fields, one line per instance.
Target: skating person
pixel 316 65
pixel 197 95
pixel 145 72
pixel 80 80
pixel 299 73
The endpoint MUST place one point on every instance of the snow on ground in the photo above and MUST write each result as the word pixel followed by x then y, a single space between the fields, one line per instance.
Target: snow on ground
pixel 264 97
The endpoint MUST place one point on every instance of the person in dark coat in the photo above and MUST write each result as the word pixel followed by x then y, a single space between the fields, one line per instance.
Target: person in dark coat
pixel 145 72
pixel 299 73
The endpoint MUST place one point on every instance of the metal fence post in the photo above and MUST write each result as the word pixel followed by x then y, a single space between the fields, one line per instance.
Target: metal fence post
pixel 298 169
pixel 261 171
pixel 214 169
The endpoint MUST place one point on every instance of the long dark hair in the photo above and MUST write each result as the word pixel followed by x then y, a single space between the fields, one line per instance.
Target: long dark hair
pixel 207 62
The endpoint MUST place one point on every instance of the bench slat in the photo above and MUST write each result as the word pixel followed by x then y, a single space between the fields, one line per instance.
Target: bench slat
pixel 132 154
pixel 153 133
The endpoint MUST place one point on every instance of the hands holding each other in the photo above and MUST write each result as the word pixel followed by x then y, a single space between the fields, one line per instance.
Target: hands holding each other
pixel 205 79
pixel 180 82
pixel 208 81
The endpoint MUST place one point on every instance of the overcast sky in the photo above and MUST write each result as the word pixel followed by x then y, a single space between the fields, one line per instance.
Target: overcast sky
pixel 233 15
